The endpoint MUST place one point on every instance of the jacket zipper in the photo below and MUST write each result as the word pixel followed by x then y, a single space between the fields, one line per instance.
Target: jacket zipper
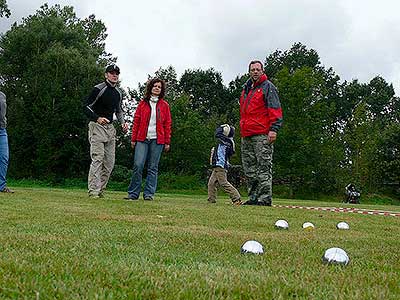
pixel 247 101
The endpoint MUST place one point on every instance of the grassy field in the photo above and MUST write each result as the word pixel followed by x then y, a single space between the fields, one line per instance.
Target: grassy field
pixel 58 244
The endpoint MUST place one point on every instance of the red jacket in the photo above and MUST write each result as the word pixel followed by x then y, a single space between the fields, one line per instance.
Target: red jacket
pixel 260 108
pixel 142 118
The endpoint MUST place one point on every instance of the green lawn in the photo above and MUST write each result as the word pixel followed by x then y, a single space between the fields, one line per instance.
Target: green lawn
pixel 57 243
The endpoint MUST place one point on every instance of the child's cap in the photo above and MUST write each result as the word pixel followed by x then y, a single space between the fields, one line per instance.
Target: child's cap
pixel 227 130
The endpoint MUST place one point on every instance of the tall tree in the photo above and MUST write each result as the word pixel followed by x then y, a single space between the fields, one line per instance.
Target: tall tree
pixel 296 57
pixel 48 65
pixel 372 121
pixel 208 93
pixel 304 134
pixel 308 151
pixel 386 159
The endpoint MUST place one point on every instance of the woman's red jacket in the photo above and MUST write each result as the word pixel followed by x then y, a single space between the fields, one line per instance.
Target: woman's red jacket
pixel 142 118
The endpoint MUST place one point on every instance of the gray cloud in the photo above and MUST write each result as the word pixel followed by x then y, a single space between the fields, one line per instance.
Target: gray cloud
pixel 359 39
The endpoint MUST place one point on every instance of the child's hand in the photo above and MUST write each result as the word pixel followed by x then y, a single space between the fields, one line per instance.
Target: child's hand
pixel 271 137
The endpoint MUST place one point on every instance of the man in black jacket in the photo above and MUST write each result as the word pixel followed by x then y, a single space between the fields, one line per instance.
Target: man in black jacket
pixel 104 101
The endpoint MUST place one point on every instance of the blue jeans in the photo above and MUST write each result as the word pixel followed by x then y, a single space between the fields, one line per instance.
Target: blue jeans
pixel 148 151
pixel 3 157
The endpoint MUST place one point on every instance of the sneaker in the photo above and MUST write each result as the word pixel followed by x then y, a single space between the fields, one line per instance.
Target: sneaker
pixel 131 198
pixel 211 201
pixel 7 190
pixel 148 198
pixel 237 203
pixel 94 196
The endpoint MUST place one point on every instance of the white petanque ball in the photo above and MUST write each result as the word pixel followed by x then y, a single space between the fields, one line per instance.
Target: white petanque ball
pixel 281 224
pixel 342 225
pixel 252 247
pixel 308 226
pixel 336 256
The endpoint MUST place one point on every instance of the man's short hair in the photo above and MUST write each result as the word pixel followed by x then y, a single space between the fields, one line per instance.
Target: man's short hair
pixel 256 62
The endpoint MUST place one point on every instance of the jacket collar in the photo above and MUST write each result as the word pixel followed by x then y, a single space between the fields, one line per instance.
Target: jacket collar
pixel 109 84
pixel 249 83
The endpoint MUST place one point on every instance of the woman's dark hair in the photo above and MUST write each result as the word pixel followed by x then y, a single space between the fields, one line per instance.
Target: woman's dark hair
pixel 149 87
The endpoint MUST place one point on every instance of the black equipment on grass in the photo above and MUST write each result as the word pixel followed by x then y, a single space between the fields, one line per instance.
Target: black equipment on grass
pixel 352 194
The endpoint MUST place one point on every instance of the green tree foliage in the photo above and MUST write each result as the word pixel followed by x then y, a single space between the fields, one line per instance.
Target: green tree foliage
pixel 207 91
pixel 4 11
pixel 333 133
pixel 49 64
pixel 305 133
pixel 296 57
pixel 374 119
pixel 306 90
pixel 190 139
pixel 386 160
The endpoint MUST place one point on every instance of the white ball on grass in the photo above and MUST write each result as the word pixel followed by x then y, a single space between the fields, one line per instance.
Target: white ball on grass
pixel 336 256
pixel 281 224
pixel 252 247
pixel 343 225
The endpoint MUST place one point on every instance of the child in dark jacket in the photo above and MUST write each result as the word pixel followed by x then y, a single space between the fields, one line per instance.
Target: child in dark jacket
pixel 219 161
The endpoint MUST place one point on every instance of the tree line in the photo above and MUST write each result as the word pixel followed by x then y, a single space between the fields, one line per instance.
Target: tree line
pixel 334 132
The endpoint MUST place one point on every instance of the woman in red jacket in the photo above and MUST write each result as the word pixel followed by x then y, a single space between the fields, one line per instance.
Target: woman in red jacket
pixel 151 134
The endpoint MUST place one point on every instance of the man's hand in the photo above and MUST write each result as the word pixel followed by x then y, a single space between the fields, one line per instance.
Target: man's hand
pixel 103 121
pixel 271 137
pixel 125 127
pixel 166 148
pixel 133 144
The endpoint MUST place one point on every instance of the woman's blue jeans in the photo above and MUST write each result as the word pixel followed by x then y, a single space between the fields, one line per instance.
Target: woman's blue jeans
pixel 3 157
pixel 148 151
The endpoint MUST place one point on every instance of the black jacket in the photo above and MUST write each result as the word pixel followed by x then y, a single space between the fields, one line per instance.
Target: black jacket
pixel 223 151
pixel 104 101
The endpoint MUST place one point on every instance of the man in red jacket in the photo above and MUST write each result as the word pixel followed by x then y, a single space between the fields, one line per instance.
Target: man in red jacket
pixel 260 120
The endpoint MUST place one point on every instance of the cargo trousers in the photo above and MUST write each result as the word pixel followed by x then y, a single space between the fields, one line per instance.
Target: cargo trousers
pixel 219 177
pixel 102 153
pixel 257 154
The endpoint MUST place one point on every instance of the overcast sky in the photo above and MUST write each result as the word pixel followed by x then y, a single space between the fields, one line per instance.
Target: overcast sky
pixel 358 38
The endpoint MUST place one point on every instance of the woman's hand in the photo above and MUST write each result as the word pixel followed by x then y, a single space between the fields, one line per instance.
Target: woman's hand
pixel 166 147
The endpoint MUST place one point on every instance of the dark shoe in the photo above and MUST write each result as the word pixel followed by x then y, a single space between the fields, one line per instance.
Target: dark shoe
pixel 211 201
pixel 148 198
pixel 250 202
pixel 7 190
pixel 237 203
pixel 130 198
